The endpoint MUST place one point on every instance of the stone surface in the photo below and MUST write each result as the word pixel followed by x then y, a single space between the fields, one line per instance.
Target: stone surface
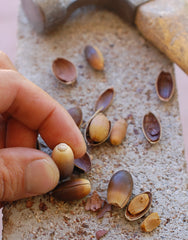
pixel 131 67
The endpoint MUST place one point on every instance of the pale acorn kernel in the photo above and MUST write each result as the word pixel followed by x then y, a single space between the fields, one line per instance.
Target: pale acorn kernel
pixel 62 147
pixel 138 204
pixel 99 128
pixel 150 223
pixel 118 132
pixel 64 158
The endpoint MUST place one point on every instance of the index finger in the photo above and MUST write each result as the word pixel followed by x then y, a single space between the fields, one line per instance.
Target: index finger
pixel 34 108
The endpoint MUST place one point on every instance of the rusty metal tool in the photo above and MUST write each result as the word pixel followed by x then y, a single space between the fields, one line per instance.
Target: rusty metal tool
pixel 164 23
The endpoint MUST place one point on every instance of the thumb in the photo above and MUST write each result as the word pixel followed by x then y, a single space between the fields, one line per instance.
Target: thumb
pixel 25 172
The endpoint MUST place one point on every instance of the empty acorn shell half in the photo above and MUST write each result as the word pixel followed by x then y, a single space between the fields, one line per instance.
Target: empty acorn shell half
pixel 151 128
pixel 76 114
pixel 94 57
pixel 120 188
pixel 64 70
pixel 73 189
pixel 165 85
pixel 105 100
pixel 98 130
pixel 138 206
pixel 83 163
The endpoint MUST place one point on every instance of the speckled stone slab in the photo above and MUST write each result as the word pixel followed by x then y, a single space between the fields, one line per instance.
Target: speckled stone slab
pixel 131 67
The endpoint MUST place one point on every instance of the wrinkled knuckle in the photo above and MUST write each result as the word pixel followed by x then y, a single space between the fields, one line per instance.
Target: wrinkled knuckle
pixel 7 182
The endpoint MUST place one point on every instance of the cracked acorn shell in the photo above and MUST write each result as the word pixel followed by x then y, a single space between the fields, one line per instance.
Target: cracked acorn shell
pixel 94 57
pixel 151 128
pixel 165 85
pixel 76 114
pixel 73 189
pixel 120 188
pixel 104 100
pixel 64 70
pixel 138 206
pixel 98 130
pixel 83 163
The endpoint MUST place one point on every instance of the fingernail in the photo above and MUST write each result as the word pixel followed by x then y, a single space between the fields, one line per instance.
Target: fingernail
pixel 41 176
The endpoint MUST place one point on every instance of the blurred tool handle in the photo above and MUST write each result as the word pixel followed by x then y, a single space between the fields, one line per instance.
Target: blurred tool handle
pixel 165 24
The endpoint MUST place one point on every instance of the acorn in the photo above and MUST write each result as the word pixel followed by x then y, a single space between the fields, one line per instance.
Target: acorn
pixel 63 156
pixel 98 130
pixel 94 57
pixel 138 206
pixel 73 189
pixel 118 132
pixel 120 188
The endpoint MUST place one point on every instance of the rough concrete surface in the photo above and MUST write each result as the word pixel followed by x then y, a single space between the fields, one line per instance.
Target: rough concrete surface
pixel 131 67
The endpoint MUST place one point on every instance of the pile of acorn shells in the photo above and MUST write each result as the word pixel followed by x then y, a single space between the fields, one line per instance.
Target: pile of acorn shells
pixel 98 130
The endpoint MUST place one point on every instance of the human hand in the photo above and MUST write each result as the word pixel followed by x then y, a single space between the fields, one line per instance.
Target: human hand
pixel 25 111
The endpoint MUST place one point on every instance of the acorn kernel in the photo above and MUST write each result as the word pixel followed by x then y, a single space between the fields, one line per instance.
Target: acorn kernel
pixel 150 223
pixel 64 158
pixel 118 132
pixel 99 128
pixel 138 204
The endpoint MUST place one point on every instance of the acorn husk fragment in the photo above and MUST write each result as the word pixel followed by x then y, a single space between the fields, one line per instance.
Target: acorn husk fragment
pixel 105 100
pixel 76 114
pixel 73 189
pixel 142 212
pixel 88 139
pixel 120 188
pixel 83 163
pixel 151 128
pixel 64 70
pixel 165 86
pixel 94 57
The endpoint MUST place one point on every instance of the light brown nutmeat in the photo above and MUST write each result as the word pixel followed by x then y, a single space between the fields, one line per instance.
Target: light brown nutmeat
pixel 118 132
pixel 64 158
pixel 138 204
pixel 150 223
pixel 99 128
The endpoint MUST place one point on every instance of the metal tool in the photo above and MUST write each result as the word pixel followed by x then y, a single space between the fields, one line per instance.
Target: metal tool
pixel 162 22
pixel 45 15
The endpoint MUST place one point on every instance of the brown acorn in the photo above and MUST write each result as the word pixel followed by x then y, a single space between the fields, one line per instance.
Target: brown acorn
pixel 120 188
pixel 73 189
pixel 94 57
pixel 98 130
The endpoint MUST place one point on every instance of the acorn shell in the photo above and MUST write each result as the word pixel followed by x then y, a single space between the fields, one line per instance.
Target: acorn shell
pixel 151 128
pixel 76 114
pixel 105 100
pixel 131 217
pixel 64 70
pixel 83 163
pixel 165 86
pixel 87 137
